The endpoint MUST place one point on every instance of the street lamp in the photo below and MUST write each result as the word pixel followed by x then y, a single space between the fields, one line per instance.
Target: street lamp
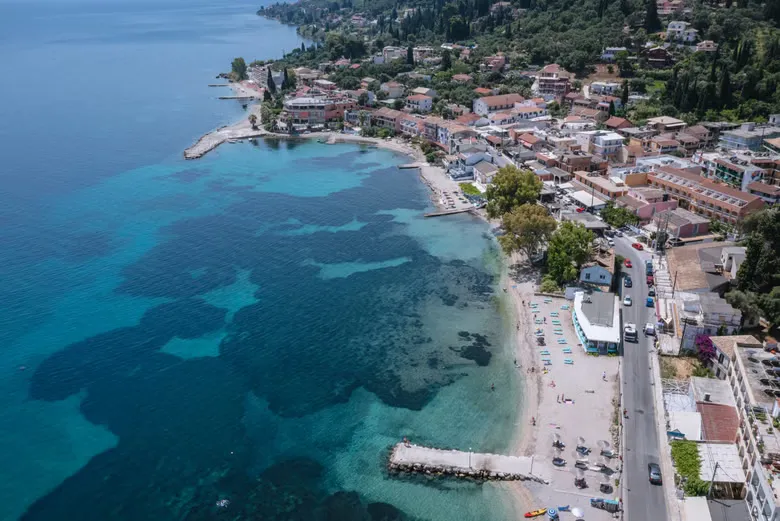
pixel 469 457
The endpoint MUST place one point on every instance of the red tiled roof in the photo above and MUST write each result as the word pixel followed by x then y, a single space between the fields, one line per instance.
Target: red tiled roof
pixel 468 118
pixel 764 188
pixel 529 138
pixel 615 122
pixel 482 90
pixel 493 139
pixel 503 100
pixel 719 422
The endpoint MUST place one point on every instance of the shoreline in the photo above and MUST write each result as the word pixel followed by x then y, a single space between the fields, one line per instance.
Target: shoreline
pixel 522 441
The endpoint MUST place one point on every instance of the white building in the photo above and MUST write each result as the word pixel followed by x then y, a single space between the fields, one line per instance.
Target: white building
pixel 596 320
pixel 419 103
pixel 604 143
pixel 488 104
pixel 393 89
pixel 484 173
pixel 681 32
pixel 605 87
pixel 391 53
pixel 609 54
pixel 704 314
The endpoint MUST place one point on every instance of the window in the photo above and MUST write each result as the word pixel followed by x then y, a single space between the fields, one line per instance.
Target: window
pixel 720 358
pixel 587 276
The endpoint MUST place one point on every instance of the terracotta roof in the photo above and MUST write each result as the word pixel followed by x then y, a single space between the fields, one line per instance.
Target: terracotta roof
pixel 726 343
pixel 719 422
pixel 468 118
pixel 388 113
pixel 526 110
pixel 461 77
pixel 554 68
pixel 665 142
pixel 502 100
pixel 529 138
pixel 482 90
pixel 615 122
pixel 493 139
pixel 764 188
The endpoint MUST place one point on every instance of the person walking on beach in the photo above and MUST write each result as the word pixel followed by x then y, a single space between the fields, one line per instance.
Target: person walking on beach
pixel 604 375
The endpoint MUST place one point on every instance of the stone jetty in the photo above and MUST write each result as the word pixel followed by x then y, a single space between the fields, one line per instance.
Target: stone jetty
pixel 406 458
pixel 237 131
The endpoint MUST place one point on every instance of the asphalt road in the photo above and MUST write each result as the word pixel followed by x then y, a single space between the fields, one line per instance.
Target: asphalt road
pixel 643 501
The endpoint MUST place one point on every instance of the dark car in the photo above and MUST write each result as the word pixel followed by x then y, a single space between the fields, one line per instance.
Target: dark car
pixel 654 471
pixel 627 282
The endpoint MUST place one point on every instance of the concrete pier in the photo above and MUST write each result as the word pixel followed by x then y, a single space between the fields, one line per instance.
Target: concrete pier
pixel 455 463
pixel 449 212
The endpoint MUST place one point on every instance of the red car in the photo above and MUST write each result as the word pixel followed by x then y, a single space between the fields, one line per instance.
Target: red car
pixel 628 263
pixel 638 246
pixel 650 280
pixel 580 210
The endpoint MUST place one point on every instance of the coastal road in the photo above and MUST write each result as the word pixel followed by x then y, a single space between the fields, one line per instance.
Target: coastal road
pixel 643 501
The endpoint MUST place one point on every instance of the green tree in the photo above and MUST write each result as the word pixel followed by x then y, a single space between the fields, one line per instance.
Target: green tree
pixel 569 248
pixel 398 104
pixel 745 301
pixel 270 85
pixel 446 60
pixel 760 272
pixel 652 22
pixel 253 121
pixel 238 69
pixel 363 99
pixel 611 108
pixel 511 187
pixel 624 94
pixel 410 55
pixel 617 217
pixel 527 228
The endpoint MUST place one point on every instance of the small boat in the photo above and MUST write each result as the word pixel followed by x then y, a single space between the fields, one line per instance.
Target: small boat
pixel 536 513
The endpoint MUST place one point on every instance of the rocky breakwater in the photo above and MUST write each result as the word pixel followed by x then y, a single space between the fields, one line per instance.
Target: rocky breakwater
pixel 409 459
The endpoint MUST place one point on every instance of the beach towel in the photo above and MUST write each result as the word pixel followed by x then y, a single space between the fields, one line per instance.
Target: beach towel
pixel 558 329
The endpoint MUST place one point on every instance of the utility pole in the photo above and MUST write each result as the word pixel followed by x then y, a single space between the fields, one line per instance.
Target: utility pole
pixel 709 492
pixel 674 284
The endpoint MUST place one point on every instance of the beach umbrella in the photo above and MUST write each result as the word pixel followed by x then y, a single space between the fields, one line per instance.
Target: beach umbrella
pixel 580 441
pixel 556 436
pixel 604 444
pixel 577 513
pixel 552 513
pixel 579 473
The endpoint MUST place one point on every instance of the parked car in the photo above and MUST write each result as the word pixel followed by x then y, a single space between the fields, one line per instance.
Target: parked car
pixel 627 301
pixel 580 210
pixel 649 329
pixel 627 263
pixel 654 472
pixel 651 291
pixel 627 282
pixel 649 302
pixel 610 242
pixel 638 246
pixel 650 280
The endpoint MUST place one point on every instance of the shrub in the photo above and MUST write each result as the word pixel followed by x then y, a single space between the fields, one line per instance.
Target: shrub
pixel 686 460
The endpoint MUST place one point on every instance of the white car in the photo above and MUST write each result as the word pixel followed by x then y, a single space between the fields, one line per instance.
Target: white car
pixel 649 329
pixel 627 301
pixel 610 242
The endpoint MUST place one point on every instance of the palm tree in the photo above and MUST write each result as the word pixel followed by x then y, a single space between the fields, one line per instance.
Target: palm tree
pixel 253 121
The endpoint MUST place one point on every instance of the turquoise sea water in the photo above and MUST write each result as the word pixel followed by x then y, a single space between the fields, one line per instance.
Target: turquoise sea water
pixel 260 325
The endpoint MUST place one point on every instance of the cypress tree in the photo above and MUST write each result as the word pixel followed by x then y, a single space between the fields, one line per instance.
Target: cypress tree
pixel 724 89
pixel 611 108
pixel 410 55
pixel 270 82
pixel 624 94
pixel 303 47
pixel 652 22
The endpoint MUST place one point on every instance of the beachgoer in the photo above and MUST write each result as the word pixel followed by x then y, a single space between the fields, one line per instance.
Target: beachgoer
pixel 545 320
pixel 515 361
pixel 492 387
pixel 604 376
pixel 533 420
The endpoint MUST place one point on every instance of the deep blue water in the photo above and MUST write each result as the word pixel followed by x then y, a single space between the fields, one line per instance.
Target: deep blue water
pixel 259 325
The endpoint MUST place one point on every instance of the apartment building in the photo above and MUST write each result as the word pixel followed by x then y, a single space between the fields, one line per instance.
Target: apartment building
pixel 734 169
pixel 769 193
pixel 486 105
pixel 748 136
pixel 606 87
pixel 387 118
pixel 703 196
pixel 553 82
pixel 646 202
pixel 419 103
pixel 604 143
pixel 752 375
pixel 681 32
pixel 393 89
pixel 610 187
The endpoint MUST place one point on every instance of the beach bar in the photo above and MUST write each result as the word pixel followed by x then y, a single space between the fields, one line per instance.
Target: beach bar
pixel 596 321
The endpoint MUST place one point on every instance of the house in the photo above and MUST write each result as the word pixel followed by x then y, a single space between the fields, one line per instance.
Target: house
pixel 658 57
pixel 530 141
pixel 681 32
pixel 682 224
pixel 484 173
pixel 341 63
pixel 646 203
pixel 616 123
pixel 419 103
pixel 702 134
pixel 366 82
pixel 702 314
pixel 724 351
pixel 390 53
pixel 481 91
pixel 465 157
pixel 553 82
pixel 600 271
pixel 488 104
pixel 461 78
pixel 387 118
pixel 590 114
pixel 769 193
pixel 593 183
pixel 605 87
pixel 425 91
pixel 609 53
pixel 706 46
pixel 411 125
pixel 668 7
pixel 527 112
pixel 662 145
pixel 501 118
pixel 470 119
pixel 393 89
pixel 494 63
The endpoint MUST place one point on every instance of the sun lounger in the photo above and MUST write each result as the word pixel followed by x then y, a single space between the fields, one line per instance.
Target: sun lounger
pixel 545 352
pixel 557 329
pixel 553 313
pixel 561 340
pixel 547 361
pixel 565 307
pixel 534 311
pixel 558 332
pixel 568 361
pixel 567 350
